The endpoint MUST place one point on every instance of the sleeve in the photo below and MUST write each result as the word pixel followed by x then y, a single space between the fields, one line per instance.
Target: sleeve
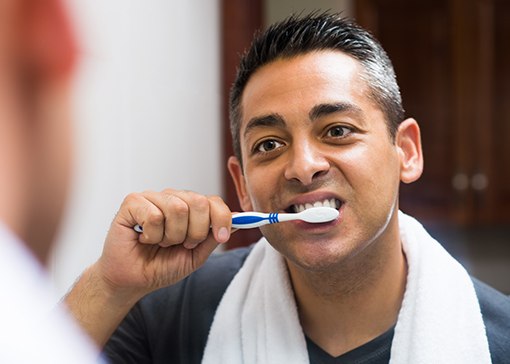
pixel 128 344
pixel 495 308
pixel 171 325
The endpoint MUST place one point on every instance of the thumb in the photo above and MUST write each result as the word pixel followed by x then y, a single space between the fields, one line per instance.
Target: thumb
pixel 204 250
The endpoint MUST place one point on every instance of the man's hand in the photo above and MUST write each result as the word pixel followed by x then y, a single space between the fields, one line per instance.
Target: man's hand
pixel 180 231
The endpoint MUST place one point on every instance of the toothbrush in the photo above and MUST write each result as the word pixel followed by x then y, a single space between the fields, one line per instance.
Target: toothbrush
pixel 248 220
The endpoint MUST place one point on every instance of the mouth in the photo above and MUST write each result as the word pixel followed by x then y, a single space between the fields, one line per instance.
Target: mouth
pixel 329 202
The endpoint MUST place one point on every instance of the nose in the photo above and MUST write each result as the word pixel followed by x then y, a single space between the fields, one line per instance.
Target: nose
pixel 306 163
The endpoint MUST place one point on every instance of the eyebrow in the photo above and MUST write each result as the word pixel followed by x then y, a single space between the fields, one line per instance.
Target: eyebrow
pixel 265 120
pixel 322 110
pixel 318 111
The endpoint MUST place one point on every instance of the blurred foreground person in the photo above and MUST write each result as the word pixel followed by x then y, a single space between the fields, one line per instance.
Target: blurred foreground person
pixel 36 59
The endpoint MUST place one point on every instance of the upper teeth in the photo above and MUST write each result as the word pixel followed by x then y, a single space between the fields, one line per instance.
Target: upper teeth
pixel 332 202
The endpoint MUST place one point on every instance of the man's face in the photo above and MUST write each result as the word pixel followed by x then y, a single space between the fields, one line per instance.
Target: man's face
pixel 309 133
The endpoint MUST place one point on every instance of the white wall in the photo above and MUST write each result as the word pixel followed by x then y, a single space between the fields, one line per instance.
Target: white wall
pixel 147 113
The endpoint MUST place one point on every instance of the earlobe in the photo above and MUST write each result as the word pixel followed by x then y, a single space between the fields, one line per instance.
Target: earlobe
pixel 236 172
pixel 408 143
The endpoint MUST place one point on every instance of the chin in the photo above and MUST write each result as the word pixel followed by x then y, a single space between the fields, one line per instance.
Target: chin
pixel 319 256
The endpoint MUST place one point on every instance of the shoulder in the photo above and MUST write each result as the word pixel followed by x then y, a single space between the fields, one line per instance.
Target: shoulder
pixel 32 327
pixel 495 307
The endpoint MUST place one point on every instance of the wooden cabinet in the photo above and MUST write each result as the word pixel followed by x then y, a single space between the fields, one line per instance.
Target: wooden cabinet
pixel 240 20
pixel 452 59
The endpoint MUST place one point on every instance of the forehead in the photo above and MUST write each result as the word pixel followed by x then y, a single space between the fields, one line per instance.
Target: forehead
pixel 295 85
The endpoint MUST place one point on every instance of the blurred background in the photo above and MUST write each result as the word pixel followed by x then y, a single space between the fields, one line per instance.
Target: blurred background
pixel 146 110
pixel 150 107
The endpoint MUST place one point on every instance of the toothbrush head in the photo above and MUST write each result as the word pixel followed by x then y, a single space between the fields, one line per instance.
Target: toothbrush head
pixel 319 214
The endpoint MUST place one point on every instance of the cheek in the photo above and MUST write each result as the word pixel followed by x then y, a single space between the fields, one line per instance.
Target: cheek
pixel 371 170
pixel 263 186
pixel 257 192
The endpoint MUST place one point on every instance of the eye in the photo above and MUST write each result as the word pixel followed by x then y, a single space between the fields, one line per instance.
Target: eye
pixel 267 146
pixel 338 131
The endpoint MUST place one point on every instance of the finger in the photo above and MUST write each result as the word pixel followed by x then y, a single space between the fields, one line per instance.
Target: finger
pixel 137 209
pixel 176 213
pixel 221 219
pixel 204 250
pixel 199 220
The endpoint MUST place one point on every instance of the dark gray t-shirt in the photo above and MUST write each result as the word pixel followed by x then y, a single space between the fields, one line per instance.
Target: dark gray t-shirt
pixel 171 325
pixel 376 351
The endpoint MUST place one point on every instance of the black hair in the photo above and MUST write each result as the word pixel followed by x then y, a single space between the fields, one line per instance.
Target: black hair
pixel 296 36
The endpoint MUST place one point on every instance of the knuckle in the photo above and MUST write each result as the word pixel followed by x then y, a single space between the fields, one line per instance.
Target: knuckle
pixel 216 199
pixel 179 207
pixel 197 236
pixel 168 191
pixel 200 202
pixel 170 240
pixel 155 218
pixel 174 238
pixel 131 198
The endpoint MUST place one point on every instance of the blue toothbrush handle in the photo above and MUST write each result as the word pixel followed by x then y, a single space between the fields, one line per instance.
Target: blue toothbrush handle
pixel 244 220
pixel 248 220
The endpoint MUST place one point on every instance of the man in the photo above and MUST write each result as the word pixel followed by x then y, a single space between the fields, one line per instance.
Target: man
pixel 316 120
pixel 37 54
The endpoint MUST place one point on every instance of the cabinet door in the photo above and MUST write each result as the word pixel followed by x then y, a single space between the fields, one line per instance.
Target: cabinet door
pixel 452 60
pixel 496 198
pixel 239 20
pixel 418 38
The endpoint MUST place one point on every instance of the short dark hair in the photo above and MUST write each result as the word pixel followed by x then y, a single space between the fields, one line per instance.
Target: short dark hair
pixel 315 32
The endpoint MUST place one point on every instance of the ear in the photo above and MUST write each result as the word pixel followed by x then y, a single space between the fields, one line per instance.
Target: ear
pixel 408 143
pixel 236 172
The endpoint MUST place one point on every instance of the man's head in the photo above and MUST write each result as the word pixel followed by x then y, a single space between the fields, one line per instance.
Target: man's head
pixel 37 54
pixel 318 127
pixel 296 36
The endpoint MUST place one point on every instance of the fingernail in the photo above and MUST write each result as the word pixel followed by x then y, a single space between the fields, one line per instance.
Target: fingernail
pixel 223 234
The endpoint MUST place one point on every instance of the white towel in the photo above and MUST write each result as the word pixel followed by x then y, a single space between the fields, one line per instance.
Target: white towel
pixel 439 321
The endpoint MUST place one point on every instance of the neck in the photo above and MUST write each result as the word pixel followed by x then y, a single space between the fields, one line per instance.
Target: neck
pixel 343 309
